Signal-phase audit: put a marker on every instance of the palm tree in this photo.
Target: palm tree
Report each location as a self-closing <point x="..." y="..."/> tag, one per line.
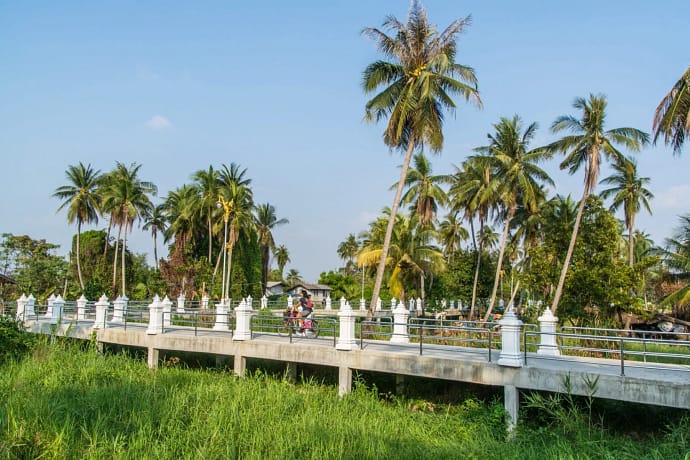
<point x="628" y="191"/>
<point x="417" y="86"/>
<point x="515" y="169"/>
<point x="423" y="192"/>
<point x="81" y="199"/>
<point x="347" y="250"/>
<point x="584" y="148"/>
<point x="672" y="116"/>
<point x="677" y="259"/>
<point x="474" y="192"/>
<point x="293" y="277"/>
<point x="128" y="197"/>
<point x="156" y="221"/>
<point x="266" y="221"/>
<point x="282" y="258"/>
<point x="451" y="234"/>
<point x="207" y="183"/>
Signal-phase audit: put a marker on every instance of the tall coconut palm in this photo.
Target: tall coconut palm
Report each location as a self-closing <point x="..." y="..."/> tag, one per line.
<point x="293" y="277"/>
<point x="266" y="221"/>
<point x="156" y="221"/>
<point x="451" y="234"/>
<point x="207" y="182"/>
<point x="81" y="200"/>
<point x="515" y="169"/>
<point x="676" y="256"/>
<point x="282" y="258"/>
<point x="585" y="148"/>
<point x="417" y="83"/>
<point x="347" y="250"/>
<point x="474" y="191"/>
<point x="239" y="206"/>
<point x="128" y="197"/>
<point x="628" y="190"/>
<point x="672" y="116"/>
<point x="424" y="193"/>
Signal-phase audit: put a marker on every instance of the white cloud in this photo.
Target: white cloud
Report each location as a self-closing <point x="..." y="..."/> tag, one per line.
<point x="675" y="197"/>
<point x="158" y="122"/>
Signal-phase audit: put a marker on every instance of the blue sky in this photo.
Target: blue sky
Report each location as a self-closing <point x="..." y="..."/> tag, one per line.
<point x="275" y="87"/>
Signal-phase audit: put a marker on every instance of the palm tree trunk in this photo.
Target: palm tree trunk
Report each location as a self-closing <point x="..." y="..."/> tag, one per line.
<point x="264" y="269"/>
<point x="499" y="264"/>
<point x="389" y="229"/>
<point x="107" y="237"/>
<point x="117" y="248"/>
<point x="81" y="281"/>
<point x="155" y="250"/>
<point x="423" y="297"/>
<point x="569" y="254"/>
<point x="631" y="241"/>
<point x="124" y="250"/>
<point x="476" y="270"/>
<point x="210" y="236"/>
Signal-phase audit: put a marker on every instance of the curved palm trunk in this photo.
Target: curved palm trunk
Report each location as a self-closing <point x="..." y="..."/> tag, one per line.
<point x="117" y="249"/>
<point x="155" y="250"/>
<point x="476" y="271"/>
<point x="210" y="237"/>
<point x="124" y="250"/>
<point x="569" y="254"/>
<point x="81" y="281"/>
<point x="499" y="265"/>
<point x="264" y="269"/>
<point x="107" y="238"/>
<point x="389" y="229"/>
<point x="421" y="283"/>
<point x="631" y="241"/>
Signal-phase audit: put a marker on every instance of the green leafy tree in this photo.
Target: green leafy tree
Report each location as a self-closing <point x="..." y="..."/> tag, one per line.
<point x="417" y="83"/>
<point x="80" y="197"/>
<point x="585" y="147"/>
<point x="672" y="116"/>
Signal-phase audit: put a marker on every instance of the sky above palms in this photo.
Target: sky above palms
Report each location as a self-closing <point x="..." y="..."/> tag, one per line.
<point x="275" y="87"/>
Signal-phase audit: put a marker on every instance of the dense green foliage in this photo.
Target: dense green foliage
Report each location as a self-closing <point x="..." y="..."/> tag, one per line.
<point x="14" y="341"/>
<point x="71" y="403"/>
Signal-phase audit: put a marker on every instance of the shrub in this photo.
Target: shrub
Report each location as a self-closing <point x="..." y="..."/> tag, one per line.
<point x="14" y="340"/>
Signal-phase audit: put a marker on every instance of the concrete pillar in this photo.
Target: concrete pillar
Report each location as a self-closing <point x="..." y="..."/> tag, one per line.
<point x="400" y="384"/>
<point x="204" y="302"/>
<point x="411" y="307"/>
<point x="511" y="401"/>
<point x="378" y="304"/>
<point x="289" y="301"/>
<point x="49" y="309"/>
<point x="243" y="317"/>
<point x="362" y="304"/>
<point x="152" y="356"/>
<point x="291" y="372"/>
<point x="166" y="308"/>
<point x="240" y="365"/>
<point x="81" y="308"/>
<point x="101" y="312"/>
<point x="548" y="345"/>
<point x="344" y="380"/>
<point x="155" y="316"/>
<point x="30" y="304"/>
<point x="511" y="328"/>
<point x="346" y="337"/>
<point x="58" y="306"/>
<point x="21" y="308"/>
<point x="419" y="307"/>
<point x="180" y="303"/>
<point x="118" y="310"/>
<point x="329" y="304"/>
<point x="392" y="303"/>
<point x="342" y="302"/>
<point x="221" y="323"/>
<point x="400" y="317"/>
<point x="264" y="302"/>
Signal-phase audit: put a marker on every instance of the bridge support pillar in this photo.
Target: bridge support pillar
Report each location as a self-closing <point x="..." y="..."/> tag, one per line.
<point x="400" y="384"/>
<point x="152" y="357"/>
<point x="240" y="365"/>
<point x="511" y="398"/>
<point x="291" y="372"/>
<point x="344" y="380"/>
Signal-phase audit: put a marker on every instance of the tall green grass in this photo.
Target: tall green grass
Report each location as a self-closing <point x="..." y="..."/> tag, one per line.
<point x="68" y="402"/>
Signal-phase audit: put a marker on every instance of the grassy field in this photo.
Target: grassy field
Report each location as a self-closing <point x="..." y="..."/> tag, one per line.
<point x="67" y="401"/>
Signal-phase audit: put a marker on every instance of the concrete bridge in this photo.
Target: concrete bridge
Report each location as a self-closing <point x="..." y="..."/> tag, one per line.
<point x="509" y="354"/>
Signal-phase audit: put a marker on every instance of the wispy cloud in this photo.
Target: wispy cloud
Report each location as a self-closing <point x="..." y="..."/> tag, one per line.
<point x="675" y="197"/>
<point x="158" y="123"/>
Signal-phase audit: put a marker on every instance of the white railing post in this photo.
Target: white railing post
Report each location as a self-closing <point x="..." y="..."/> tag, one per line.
<point x="30" y="304"/>
<point x="378" y="304"/>
<point x="21" y="308"/>
<point x="362" y="304"/>
<point x="511" y="328"/>
<point x="81" y="308"/>
<point x="180" y="303"/>
<point x="166" y="307"/>
<point x="243" y="316"/>
<point x="222" y="310"/>
<point x="264" y="302"/>
<point x="548" y="344"/>
<point x="346" y="337"/>
<point x="155" y="320"/>
<point x="101" y="312"/>
<point x="58" y="305"/>
<point x="204" y="302"/>
<point x="400" y="317"/>
<point x="419" y="307"/>
<point x="329" y="305"/>
<point x="118" y="310"/>
<point x="289" y="301"/>
<point x="393" y="304"/>
<point x="49" y="308"/>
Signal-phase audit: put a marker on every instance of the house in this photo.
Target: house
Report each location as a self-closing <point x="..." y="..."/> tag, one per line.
<point x="318" y="292"/>
<point x="275" y="288"/>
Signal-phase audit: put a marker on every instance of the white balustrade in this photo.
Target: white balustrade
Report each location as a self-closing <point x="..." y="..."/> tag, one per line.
<point x="101" y="311"/>
<point x="346" y="337"/>
<point x="511" y="329"/>
<point x="81" y="308"/>
<point x="547" y="339"/>
<point x="243" y="316"/>
<point x="155" y="316"/>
